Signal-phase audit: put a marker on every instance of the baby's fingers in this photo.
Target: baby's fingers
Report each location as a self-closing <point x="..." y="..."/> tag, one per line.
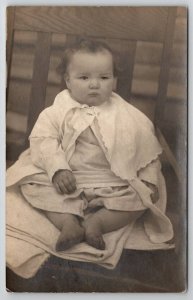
<point x="60" y="187"/>
<point x="72" y="181"/>
<point x="70" y="185"/>
<point x="57" y="188"/>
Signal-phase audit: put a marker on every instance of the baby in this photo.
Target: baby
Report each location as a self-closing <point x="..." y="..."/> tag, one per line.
<point x="90" y="146"/>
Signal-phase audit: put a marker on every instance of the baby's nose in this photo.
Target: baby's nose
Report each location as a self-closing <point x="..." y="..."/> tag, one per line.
<point x="94" y="83"/>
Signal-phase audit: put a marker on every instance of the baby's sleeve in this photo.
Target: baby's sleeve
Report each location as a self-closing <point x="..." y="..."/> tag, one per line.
<point x="47" y="154"/>
<point x="45" y="146"/>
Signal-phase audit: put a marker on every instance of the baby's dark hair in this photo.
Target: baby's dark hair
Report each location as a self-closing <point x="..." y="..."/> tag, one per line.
<point x="87" y="46"/>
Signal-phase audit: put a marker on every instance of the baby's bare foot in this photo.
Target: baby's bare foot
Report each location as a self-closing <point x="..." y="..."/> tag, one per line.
<point x="72" y="233"/>
<point x="95" y="240"/>
<point x="93" y="233"/>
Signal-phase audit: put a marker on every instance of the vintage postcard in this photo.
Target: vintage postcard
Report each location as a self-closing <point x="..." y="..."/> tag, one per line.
<point x="96" y="140"/>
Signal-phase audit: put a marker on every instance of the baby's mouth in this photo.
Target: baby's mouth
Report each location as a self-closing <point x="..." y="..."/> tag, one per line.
<point x="94" y="94"/>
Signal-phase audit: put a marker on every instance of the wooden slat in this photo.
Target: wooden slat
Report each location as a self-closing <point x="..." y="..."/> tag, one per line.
<point x="146" y="72"/>
<point x="19" y="93"/>
<point x="16" y="121"/>
<point x="125" y="75"/>
<point x="178" y="75"/>
<point x="148" y="88"/>
<point x="133" y="23"/>
<point x="58" y="45"/>
<point x="182" y="11"/>
<point x="148" y="53"/>
<point x="179" y="55"/>
<point x="177" y="92"/>
<point x="145" y="88"/>
<point x="165" y="67"/>
<point x="25" y="38"/>
<point x="39" y="80"/>
<point x="9" y="43"/>
<point x="22" y="65"/>
<point x="146" y="105"/>
<point x="10" y="34"/>
<point x="169" y="154"/>
<point x="180" y="35"/>
<point x="70" y="39"/>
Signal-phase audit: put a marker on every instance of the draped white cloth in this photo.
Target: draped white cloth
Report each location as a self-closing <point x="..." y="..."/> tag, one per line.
<point x="131" y="150"/>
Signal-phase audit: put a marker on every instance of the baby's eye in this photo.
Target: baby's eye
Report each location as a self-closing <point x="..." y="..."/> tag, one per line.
<point x="104" y="77"/>
<point x="83" y="77"/>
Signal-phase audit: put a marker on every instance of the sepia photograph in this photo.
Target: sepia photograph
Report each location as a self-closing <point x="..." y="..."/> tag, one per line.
<point x="107" y="214"/>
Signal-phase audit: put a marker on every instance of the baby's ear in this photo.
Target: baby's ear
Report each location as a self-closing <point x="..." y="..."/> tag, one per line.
<point x="66" y="79"/>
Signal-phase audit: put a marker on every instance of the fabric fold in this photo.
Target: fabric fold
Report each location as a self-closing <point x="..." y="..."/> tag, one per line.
<point x="33" y="238"/>
<point x="131" y="149"/>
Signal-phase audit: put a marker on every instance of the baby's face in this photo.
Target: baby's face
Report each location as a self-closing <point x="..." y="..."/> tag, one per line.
<point x="90" y="77"/>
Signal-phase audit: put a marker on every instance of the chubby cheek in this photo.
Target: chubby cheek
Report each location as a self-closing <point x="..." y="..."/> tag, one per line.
<point x="81" y="87"/>
<point x="107" y="89"/>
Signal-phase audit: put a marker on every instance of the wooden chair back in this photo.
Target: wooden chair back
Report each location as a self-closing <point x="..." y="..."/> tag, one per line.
<point x="120" y="27"/>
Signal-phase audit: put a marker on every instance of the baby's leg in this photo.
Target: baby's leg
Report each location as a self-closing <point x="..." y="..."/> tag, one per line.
<point x="71" y="231"/>
<point x="104" y="221"/>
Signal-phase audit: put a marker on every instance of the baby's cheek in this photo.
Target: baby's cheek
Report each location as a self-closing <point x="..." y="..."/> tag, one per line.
<point x="109" y="87"/>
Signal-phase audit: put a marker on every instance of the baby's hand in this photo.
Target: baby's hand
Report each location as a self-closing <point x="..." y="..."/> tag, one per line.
<point x="64" y="182"/>
<point x="155" y="194"/>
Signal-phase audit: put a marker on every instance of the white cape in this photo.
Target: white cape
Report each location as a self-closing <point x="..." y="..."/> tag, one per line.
<point x="131" y="146"/>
